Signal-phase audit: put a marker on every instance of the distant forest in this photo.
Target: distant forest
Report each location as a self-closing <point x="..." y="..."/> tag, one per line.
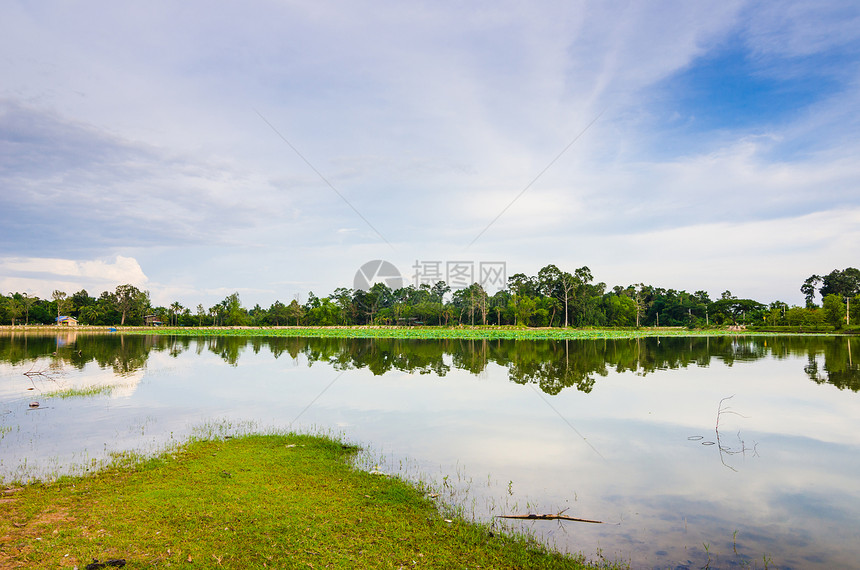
<point x="552" y="298"/>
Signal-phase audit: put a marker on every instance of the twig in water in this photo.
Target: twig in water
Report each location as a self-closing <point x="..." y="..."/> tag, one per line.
<point x="724" y="449"/>
<point x="555" y="517"/>
<point x="42" y="373"/>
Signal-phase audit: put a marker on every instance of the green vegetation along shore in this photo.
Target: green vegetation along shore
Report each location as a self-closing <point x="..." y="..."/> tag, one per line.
<point x="463" y="332"/>
<point x="256" y="501"/>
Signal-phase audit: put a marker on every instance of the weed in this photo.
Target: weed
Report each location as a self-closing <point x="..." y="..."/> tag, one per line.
<point x="88" y="392"/>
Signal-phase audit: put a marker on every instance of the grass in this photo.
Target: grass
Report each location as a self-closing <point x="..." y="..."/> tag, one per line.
<point x="88" y="392"/>
<point x="255" y="501"/>
<point x="465" y="332"/>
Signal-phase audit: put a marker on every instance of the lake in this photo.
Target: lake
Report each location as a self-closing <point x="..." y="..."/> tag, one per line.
<point x="722" y="451"/>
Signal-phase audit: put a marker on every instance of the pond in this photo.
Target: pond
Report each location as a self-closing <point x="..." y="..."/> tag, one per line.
<point x="722" y="451"/>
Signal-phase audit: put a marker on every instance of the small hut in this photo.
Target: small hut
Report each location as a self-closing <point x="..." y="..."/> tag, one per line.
<point x="152" y="321"/>
<point x="65" y="321"/>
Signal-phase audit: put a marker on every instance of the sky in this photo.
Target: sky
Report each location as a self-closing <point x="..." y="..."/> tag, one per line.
<point x="272" y="148"/>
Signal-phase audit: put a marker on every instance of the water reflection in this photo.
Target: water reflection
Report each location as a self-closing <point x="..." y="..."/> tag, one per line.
<point x="612" y="430"/>
<point x="122" y="354"/>
<point x="839" y="368"/>
<point x="551" y="365"/>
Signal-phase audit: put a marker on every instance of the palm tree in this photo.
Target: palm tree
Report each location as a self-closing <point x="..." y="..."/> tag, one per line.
<point x="175" y="309"/>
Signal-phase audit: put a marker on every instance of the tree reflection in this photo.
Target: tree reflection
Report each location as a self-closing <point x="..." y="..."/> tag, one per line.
<point x="840" y="367"/>
<point x="227" y="347"/>
<point x="552" y="365"/>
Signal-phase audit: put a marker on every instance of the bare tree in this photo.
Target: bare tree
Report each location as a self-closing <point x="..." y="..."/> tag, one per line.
<point x="62" y="301"/>
<point x="27" y="302"/>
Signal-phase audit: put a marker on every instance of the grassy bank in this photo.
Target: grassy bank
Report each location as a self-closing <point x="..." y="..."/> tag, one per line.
<point x="251" y="502"/>
<point x="431" y="333"/>
<point x="465" y="332"/>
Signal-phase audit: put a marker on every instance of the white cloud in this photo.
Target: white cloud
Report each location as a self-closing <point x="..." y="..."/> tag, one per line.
<point x="41" y="276"/>
<point x="138" y="125"/>
<point x="802" y="27"/>
<point x="766" y="260"/>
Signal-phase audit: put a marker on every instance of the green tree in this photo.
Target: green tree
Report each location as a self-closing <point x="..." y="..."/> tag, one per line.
<point x="343" y="298"/>
<point x="102" y="311"/>
<point x="234" y="313"/>
<point x="175" y="309"/>
<point x="620" y="310"/>
<point x="854" y="310"/>
<point x="834" y="310"/>
<point x="379" y="297"/>
<point x="439" y="290"/>
<point x="14" y="308"/>
<point x="523" y="308"/>
<point x="215" y="313"/>
<point x="523" y="289"/>
<point x="733" y="309"/>
<point x="80" y="300"/>
<point x="586" y="299"/>
<point x="131" y="302"/>
<point x="522" y="284"/>
<point x="296" y="311"/>
<point x="843" y="284"/>
<point x="799" y="316"/>
<point x="499" y="303"/>
<point x="325" y="313"/>
<point x="258" y="315"/>
<point x="277" y="314"/>
<point x="808" y="289"/>
<point x="777" y="313"/>
<point x="560" y="285"/>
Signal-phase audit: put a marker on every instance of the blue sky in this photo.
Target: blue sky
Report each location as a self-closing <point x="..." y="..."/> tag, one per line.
<point x="716" y="148"/>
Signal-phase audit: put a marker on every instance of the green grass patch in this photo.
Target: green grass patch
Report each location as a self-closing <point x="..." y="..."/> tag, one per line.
<point x="88" y="392"/>
<point x="431" y="333"/>
<point x="256" y="501"/>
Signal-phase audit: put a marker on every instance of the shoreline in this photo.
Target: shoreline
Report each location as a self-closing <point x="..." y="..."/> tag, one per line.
<point x="426" y="333"/>
<point x="275" y="500"/>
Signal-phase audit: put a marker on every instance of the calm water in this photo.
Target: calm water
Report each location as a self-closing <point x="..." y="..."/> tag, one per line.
<point x="739" y="451"/>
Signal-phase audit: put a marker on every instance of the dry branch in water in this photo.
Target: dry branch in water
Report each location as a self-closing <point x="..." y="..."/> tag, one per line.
<point x="724" y="449"/>
<point x="557" y="517"/>
<point x="43" y="373"/>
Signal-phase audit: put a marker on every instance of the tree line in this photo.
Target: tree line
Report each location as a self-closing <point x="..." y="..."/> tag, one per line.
<point x="552" y="298"/>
